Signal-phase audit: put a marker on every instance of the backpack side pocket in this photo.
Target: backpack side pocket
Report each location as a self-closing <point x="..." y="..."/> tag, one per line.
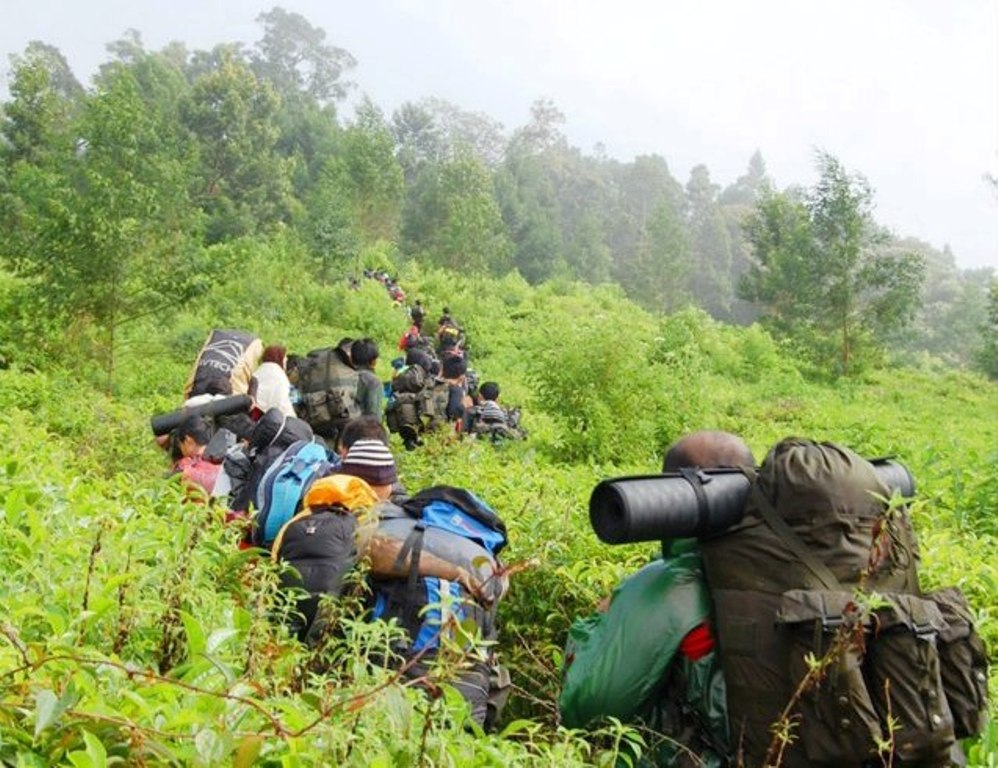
<point x="904" y="677"/>
<point x="838" y="722"/>
<point x="963" y="663"/>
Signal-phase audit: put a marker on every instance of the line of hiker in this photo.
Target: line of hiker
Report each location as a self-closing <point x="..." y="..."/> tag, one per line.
<point x="323" y="495"/>
<point x="783" y="623"/>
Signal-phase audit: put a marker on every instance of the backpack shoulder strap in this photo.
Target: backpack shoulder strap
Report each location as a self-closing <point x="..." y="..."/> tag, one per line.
<point x="792" y="540"/>
<point x="412" y="547"/>
<point x="275" y="550"/>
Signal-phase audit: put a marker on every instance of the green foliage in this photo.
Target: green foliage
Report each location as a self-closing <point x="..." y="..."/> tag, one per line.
<point x="819" y="275"/>
<point x="106" y="232"/>
<point x="217" y="189"/>
<point x="987" y="357"/>
<point x="241" y="182"/>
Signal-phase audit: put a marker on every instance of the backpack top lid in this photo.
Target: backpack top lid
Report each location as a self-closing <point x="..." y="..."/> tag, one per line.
<point x="345" y="491"/>
<point x="809" y="482"/>
<point x="461" y="512"/>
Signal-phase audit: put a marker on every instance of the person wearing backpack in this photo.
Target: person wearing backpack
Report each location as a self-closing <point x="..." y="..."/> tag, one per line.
<point x="224" y="364"/>
<point x="441" y="607"/>
<point x="270" y="386"/>
<point x="199" y="475"/>
<point x="448" y="399"/>
<point x="369" y="428"/>
<point x="335" y="528"/>
<point x="407" y="405"/>
<point x="904" y="675"/>
<point x="370" y="393"/>
<point x="489" y="420"/>
<point x="648" y="655"/>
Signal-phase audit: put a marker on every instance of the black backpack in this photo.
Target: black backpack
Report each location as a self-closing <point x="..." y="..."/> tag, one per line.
<point x="783" y="582"/>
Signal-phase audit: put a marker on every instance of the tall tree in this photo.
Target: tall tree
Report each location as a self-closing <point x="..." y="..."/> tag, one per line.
<point x="820" y="272"/>
<point x="710" y="274"/>
<point x="294" y="57"/>
<point x="376" y="182"/>
<point x="45" y="100"/>
<point x="242" y="183"/>
<point x="106" y="231"/>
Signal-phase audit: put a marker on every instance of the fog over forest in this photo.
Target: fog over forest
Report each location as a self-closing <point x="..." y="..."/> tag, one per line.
<point x="905" y="92"/>
<point x="303" y="124"/>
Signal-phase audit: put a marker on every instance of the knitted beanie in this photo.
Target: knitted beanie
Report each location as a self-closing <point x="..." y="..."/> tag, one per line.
<point x="370" y="460"/>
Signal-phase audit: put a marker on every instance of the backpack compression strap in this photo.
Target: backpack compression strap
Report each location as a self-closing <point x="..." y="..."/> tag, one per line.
<point x="413" y="544"/>
<point x="792" y="540"/>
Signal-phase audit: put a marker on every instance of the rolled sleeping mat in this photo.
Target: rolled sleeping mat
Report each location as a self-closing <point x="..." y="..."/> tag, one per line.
<point x="450" y="547"/>
<point x="697" y="503"/>
<point x="164" y="423"/>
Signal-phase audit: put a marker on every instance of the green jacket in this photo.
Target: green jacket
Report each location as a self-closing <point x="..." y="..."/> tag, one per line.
<point x="623" y="663"/>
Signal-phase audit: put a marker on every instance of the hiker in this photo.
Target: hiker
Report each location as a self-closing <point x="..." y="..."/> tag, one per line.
<point x="647" y="656"/>
<point x="903" y="676"/>
<point x="410" y="393"/>
<point x="435" y="570"/>
<point x="370" y="392"/>
<point x="488" y="419"/>
<point x="271" y="387"/>
<point x="336" y="527"/>
<point x="448" y="397"/>
<point x="372" y="462"/>
<point x="272" y="435"/>
<point x="417" y="313"/>
<point x="413" y="337"/>
<point x="450" y="337"/>
<point x="369" y="428"/>
<point x="198" y="474"/>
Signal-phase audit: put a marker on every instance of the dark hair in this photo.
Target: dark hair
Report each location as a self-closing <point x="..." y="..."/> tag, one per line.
<point x="275" y="353"/>
<point x="419" y="357"/>
<point x="196" y="427"/>
<point x="454" y="367"/>
<point x="362" y="428"/>
<point x="364" y="352"/>
<point x="489" y="390"/>
<point x="217" y="385"/>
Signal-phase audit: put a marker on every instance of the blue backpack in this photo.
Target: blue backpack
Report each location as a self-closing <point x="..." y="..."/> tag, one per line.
<point x="284" y="485"/>
<point x="417" y="602"/>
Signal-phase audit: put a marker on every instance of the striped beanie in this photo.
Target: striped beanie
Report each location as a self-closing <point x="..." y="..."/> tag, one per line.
<point x="370" y="460"/>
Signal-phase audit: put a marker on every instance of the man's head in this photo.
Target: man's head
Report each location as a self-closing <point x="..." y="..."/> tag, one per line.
<point x="419" y="357"/>
<point x="454" y="367"/>
<point x="361" y="428"/>
<point x="192" y="436"/>
<point x="708" y="448"/>
<point x="489" y="390"/>
<point x="364" y="353"/>
<point x="371" y="461"/>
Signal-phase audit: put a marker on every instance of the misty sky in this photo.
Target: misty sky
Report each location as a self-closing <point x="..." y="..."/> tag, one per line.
<point x="904" y="91"/>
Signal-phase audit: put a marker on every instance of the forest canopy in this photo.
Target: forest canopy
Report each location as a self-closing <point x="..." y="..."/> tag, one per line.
<point x="119" y="197"/>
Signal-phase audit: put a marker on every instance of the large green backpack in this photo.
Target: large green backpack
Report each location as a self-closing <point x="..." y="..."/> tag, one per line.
<point x="328" y="389"/>
<point x="783" y="582"/>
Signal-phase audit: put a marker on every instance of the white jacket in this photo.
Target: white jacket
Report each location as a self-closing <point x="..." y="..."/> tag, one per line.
<point x="273" y="390"/>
